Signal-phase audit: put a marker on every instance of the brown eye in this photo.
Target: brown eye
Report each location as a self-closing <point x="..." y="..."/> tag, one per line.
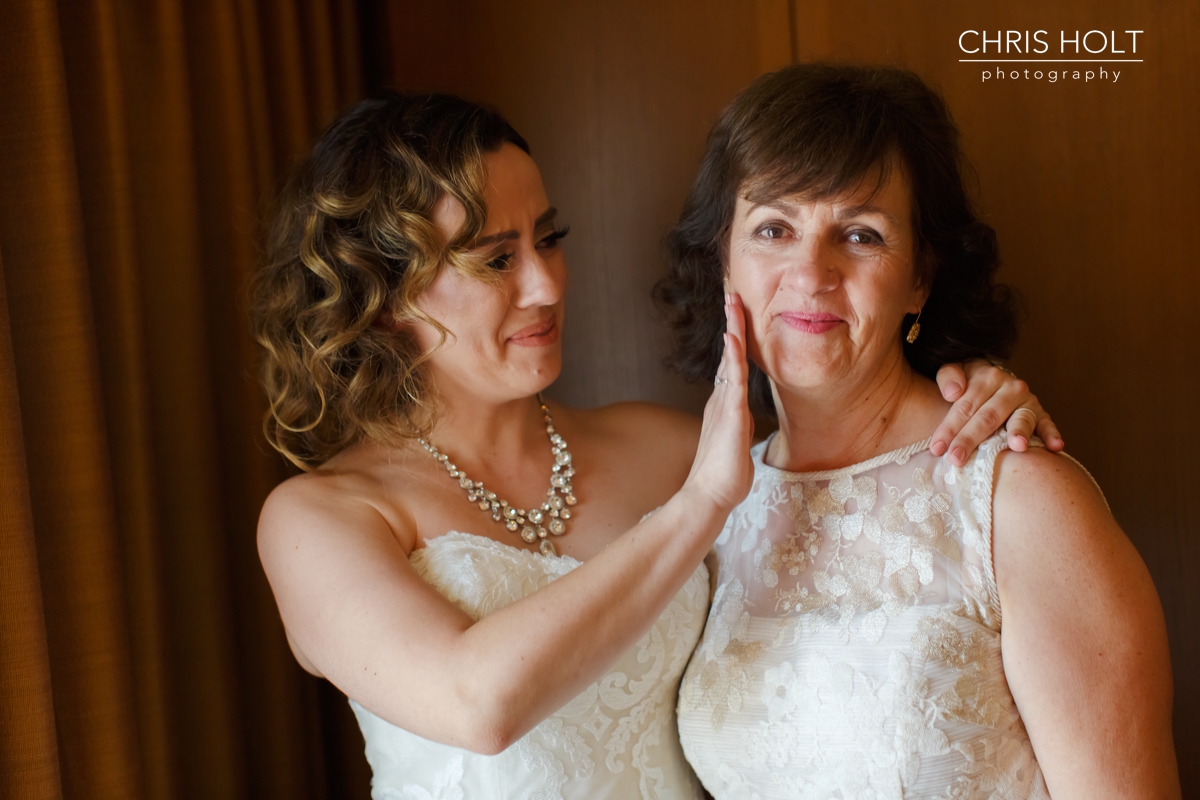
<point x="863" y="237"/>
<point x="772" y="231"/>
<point x="500" y="263"/>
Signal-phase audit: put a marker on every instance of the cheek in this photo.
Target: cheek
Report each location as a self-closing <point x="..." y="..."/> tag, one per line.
<point x="754" y="279"/>
<point x="755" y="282"/>
<point x="880" y="297"/>
<point x="465" y="307"/>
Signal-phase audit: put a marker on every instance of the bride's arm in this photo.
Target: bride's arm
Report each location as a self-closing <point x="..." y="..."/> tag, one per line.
<point x="361" y="616"/>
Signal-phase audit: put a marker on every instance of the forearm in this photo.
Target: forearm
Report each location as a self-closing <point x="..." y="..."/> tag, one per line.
<point x="517" y="666"/>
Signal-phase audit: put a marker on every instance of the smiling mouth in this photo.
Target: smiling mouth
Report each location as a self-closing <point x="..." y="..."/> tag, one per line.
<point x="537" y="335"/>
<point x="811" y="323"/>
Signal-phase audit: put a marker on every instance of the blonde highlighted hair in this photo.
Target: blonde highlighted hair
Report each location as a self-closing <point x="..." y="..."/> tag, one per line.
<point x="350" y="246"/>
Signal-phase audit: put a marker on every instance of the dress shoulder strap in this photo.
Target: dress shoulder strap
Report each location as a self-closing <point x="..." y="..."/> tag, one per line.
<point x="982" y="489"/>
<point x="976" y="497"/>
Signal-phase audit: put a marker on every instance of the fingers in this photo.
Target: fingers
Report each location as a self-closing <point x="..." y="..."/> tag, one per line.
<point x="735" y="344"/>
<point x="1047" y="431"/>
<point x="982" y="424"/>
<point x="952" y="381"/>
<point x="992" y="396"/>
<point x="722" y="470"/>
<point x="1020" y="427"/>
<point x="1041" y="424"/>
<point x="983" y="381"/>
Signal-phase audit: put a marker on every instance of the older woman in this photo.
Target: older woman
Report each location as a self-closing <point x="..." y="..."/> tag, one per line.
<point x="887" y="624"/>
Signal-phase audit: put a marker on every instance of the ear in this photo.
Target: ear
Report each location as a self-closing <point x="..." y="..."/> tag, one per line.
<point x="922" y="286"/>
<point x="917" y="299"/>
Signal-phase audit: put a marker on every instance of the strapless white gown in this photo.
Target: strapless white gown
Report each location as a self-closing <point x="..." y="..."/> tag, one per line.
<point x="615" y="740"/>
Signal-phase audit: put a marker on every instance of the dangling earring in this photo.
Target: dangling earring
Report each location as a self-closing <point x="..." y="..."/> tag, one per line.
<point x="915" y="330"/>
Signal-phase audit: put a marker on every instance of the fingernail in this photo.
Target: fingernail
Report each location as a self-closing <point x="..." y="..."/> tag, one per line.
<point x="937" y="448"/>
<point x="958" y="456"/>
<point x="1023" y="442"/>
<point x="954" y="387"/>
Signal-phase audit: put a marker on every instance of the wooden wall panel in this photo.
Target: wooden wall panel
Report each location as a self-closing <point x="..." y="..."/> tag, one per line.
<point x="615" y="99"/>
<point x="1092" y="187"/>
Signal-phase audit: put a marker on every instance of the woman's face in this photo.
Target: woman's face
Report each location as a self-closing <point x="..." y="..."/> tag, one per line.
<point x="504" y="339"/>
<point x="826" y="283"/>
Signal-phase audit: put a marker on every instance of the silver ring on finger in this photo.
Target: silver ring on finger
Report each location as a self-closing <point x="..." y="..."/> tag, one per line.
<point x="718" y="381"/>
<point x="1023" y="411"/>
<point x="998" y="365"/>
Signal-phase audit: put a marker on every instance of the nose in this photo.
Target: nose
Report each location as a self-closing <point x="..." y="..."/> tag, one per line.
<point x="814" y="269"/>
<point x="538" y="281"/>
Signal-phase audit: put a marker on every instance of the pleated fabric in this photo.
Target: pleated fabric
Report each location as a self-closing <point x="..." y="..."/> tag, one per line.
<point x="141" y="655"/>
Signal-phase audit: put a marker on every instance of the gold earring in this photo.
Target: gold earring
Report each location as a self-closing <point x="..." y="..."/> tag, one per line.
<point x="915" y="330"/>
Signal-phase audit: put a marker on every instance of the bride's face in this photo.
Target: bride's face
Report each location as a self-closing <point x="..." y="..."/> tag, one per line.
<point x="504" y="340"/>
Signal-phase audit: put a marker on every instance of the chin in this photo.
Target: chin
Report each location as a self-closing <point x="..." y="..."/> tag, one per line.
<point x="537" y="373"/>
<point x="804" y="371"/>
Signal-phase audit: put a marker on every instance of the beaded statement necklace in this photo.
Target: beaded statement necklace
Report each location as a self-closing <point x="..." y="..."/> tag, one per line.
<point x="538" y="524"/>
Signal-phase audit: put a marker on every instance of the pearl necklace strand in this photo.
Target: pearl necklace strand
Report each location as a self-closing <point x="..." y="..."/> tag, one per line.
<point x="535" y="525"/>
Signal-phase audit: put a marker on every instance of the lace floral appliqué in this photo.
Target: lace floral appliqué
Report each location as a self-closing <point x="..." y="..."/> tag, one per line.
<point x="852" y="650"/>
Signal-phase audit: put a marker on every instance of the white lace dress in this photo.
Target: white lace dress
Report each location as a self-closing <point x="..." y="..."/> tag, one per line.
<point x="615" y="740"/>
<point x="853" y="646"/>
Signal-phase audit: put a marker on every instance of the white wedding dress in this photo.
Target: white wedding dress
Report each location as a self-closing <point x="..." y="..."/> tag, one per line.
<point x="615" y="740"/>
<point x="853" y="647"/>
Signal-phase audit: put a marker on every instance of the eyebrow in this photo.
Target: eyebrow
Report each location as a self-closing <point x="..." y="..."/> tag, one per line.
<point x="866" y="209"/>
<point x="781" y="206"/>
<point x="547" y="216"/>
<point x="853" y="211"/>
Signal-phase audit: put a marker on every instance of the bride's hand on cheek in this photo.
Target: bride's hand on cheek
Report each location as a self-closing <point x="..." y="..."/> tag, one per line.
<point x="986" y="397"/>
<point x="722" y="470"/>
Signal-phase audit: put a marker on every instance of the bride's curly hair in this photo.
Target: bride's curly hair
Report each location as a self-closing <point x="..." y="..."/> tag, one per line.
<point x="350" y="246"/>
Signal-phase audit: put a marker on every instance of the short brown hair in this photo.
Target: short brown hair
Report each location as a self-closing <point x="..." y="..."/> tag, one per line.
<point x="818" y="130"/>
<point x="352" y="243"/>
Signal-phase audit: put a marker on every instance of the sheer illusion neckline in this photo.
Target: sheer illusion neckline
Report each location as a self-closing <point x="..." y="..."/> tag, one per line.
<point x="898" y="456"/>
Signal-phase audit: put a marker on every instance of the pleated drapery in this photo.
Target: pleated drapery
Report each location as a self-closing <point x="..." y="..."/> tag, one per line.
<point x="141" y="655"/>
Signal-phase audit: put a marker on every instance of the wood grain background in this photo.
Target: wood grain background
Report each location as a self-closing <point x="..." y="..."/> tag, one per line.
<point x="1093" y="187"/>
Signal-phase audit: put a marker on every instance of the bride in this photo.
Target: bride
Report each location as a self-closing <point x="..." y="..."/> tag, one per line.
<point x="476" y="568"/>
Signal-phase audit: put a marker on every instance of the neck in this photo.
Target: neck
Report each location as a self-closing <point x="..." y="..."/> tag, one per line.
<point x="475" y="433"/>
<point x="850" y="420"/>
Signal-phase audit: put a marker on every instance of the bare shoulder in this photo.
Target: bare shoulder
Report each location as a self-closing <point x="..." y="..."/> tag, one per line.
<point x="1054" y="534"/>
<point x="337" y="503"/>
<point x="1046" y="487"/>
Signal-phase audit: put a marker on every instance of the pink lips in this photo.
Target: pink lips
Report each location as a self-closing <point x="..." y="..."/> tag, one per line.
<point x="537" y="335"/>
<point x="811" y="323"/>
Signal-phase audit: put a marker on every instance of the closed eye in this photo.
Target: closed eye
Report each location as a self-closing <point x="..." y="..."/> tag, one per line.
<point x="551" y="240"/>
<point x="500" y="262"/>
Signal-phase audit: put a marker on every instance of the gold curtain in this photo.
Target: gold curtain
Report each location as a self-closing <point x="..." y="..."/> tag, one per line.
<point x="141" y="655"/>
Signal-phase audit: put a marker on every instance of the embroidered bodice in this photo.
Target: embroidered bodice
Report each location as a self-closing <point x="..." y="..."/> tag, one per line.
<point x="853" y="645"/>
<point x="615" y="740"/>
